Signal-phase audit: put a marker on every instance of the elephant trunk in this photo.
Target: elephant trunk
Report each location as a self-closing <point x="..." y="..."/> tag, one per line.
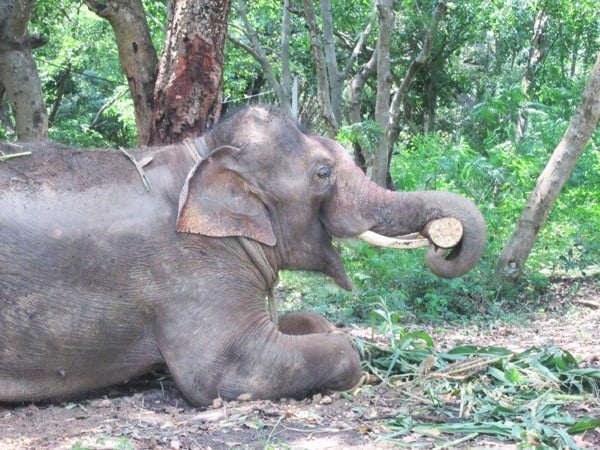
<point x="399" y="213"/>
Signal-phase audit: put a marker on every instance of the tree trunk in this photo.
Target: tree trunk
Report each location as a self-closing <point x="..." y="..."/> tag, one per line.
<point x="384" y="84"/>
<point x="290" y="87"/>
<point x="415" y="66"/>
<point x="61" y="82"/>
<point x="357" y="84"/>
<point x="333" y="74"/>
<point x="323" y="81"/>
<point x="5" y="118"/>
<point x="552" y="179"/>
<point x="18" y="71"/>
<point x="188" y="92"/>
<point x="137" y="56"/>
<point x="329" y="78"/>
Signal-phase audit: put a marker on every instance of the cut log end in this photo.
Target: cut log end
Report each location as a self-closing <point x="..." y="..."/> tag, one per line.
<point x="444" y="233"/>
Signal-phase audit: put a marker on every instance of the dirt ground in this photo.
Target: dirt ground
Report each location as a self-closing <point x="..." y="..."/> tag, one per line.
<point x="150" y="413"/>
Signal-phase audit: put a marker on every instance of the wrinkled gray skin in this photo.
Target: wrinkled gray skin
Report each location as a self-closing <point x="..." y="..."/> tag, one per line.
<point x="101" y="280"/>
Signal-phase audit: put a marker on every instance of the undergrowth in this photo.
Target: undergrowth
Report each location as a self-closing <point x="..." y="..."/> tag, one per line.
<point x="404" y="284"/>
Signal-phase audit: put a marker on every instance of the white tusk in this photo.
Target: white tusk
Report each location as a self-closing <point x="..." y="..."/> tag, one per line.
<point x="391" y="242"/>
<point x="444" y="233"/>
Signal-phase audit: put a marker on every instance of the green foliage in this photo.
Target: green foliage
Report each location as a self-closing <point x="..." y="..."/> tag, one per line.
<point x="366" y="134"/>
<point x="81" y="75"/>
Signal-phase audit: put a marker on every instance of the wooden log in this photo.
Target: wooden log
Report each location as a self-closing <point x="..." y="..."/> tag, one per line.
<point x="444" y="233"/>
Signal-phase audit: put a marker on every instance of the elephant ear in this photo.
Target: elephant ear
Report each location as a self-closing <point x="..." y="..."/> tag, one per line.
<point x="216" y="201"/>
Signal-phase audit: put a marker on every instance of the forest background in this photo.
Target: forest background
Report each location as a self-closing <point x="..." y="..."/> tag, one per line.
<point x="478" y="96"/>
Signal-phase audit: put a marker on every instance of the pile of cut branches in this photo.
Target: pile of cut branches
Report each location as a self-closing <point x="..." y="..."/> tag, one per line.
<point x="540" y="397"/>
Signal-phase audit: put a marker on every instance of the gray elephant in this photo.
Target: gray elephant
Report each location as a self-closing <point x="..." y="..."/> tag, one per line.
<point x="110" y="265"/>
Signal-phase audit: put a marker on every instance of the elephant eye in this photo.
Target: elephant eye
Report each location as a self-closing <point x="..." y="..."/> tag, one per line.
<point x="323" y="172"/>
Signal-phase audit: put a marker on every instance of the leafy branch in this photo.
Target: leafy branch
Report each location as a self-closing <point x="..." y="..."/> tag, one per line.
<point x="525" y="397"/>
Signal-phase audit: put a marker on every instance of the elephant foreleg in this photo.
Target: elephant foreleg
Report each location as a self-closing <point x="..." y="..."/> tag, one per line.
<point x="260" y="362"/>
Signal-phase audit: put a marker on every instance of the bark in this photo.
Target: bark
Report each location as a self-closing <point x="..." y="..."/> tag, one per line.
<point x="18" y="71"/>
<point x="551" y="181"/>
<point x="384" y="84"/>
<point x="136" y="53"/>
<point x="188" y="92"/>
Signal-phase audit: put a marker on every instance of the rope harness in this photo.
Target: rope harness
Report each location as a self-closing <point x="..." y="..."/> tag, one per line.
<point x="198" y="150"/>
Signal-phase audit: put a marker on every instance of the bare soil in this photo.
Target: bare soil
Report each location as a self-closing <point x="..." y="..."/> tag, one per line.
<point x="150" y="413"/>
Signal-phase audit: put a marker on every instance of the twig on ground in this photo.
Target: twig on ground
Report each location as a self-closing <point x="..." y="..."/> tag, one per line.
<point x="6" y="157"/>
<point x="592" y="303"/>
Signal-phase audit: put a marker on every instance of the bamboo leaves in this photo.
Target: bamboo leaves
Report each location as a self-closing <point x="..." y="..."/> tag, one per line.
<point x="528" y="397"/>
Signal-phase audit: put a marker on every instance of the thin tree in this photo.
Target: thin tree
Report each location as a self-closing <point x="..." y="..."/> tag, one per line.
<point x="327" y="81"/>
<point x="19" y="79"/>
<point x="551" y="181"/>
<point x="281" y="85"/>
<point x="537" y="52"/>
<point x="388" y="113"/>
<point x="384" y="85"/>
<point x="137" y="55"/>
<point x="330" y="76"/>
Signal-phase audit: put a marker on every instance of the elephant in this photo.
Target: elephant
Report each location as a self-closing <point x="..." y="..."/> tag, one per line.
<point x="115" y="262"/>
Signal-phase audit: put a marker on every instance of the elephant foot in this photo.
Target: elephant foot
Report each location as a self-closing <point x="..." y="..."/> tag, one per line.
<point x="298" y="323"/>
<point x="302" y="366"/>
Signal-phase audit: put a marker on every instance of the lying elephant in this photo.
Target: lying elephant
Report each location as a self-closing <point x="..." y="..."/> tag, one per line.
<point x="111" y="265"/>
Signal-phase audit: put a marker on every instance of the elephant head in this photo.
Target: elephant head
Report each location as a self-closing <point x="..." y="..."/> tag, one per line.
<point x="267" y="180"/>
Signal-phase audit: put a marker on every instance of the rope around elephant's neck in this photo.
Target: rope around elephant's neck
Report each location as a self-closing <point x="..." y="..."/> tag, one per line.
<point x="198" y="150"/>
<point x="258" y="257"/>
